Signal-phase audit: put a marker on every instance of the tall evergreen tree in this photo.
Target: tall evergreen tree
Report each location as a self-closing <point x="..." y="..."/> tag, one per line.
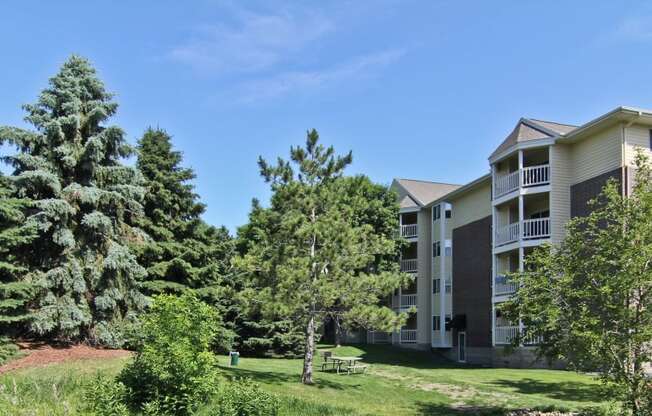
<point x="16" y="234"/>
<point x="183" y="252"/>
<point x="86" y="206"/>
<point x="307" y="255"/>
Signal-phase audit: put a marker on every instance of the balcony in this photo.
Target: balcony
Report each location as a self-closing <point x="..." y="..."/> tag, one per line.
<point x="505" y="334"/>
<point x="409" y="265"/>
<point x="408" y="336"/>
<point x="408" y="301"/>
<point x="536" y="228"/>
<point x="530" y="230"/>
<point x="409" y="230"/>
<point x="507" y="234"/>
<point x="526" y="177"/>
<point x="504" y="287"/>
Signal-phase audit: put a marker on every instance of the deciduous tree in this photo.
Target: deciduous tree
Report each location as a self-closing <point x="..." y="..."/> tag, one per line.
<point x="589" y="301"/>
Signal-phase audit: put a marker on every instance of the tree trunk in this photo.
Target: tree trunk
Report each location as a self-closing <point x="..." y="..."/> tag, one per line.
<point x="338" y="332"/>
<point x="306" y="377"/>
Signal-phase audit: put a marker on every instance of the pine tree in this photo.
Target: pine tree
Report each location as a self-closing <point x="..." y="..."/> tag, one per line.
<point x="86" y="204"/>
<point x="16" y="234"/>
<point x="184" y="252"/>
<point x="308" y="253"/>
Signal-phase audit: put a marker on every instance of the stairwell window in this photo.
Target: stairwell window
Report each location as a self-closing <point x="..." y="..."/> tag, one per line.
<point x="435" y="323"/>
<point x="436" y="249"/>
<point x="448" y="249"/>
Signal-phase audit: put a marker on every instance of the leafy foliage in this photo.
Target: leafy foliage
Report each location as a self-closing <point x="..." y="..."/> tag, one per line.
<point x="85" y="204"/>
<point x="174" y="370"/>
<point x="590" y="300"/>
<point x="243" y="397"/>
<point x="308" y="249"/>
<point x="104" y="396"/>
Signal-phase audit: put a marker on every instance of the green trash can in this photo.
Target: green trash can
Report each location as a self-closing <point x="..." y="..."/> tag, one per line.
<point x="235" y="358"/>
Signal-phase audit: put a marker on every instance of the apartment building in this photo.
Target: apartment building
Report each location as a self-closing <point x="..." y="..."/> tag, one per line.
<point x="464" y="239"/>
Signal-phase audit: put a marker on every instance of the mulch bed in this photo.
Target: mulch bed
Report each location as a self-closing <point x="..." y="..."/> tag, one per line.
<point x="37" y="354"/>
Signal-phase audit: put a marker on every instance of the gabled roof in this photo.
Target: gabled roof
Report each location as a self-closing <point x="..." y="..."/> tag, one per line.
<point x="407" y="202"/>
<point x="532" y="129"/>
<point x="424" y="192"/>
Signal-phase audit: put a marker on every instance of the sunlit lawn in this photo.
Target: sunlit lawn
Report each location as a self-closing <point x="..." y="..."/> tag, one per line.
<point x="398" y="383"/>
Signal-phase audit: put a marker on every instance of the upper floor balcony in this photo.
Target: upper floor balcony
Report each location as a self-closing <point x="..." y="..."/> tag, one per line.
<point x="409" y="230"/>
<point x="409" y="265"/>
<point x="532" y="229"/>
<point x="525" y="177"/>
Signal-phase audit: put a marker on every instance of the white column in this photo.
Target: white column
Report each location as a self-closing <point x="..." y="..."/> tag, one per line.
<point x="521" y="215"/>
<point x="493" y="258"/>
<point x="442" y="273"/>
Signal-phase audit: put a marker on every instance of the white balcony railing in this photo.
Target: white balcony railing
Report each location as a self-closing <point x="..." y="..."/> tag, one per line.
<point x="526" y="177"/>
<point x="378" y="337"/>
<point x="505" y="184"/>
<point x="507" y="234"/>
<point x="409" y="230"/>
<point x="408" y="336"/>
<point x="409" y="265"/>
<point x="505" y="334"/>
<point x="530" y="229"/>
<point x="504" y="287"/>
<point x="535" y="175"/>
<point x="536" y="228"/>
<point x="408" y="301"/>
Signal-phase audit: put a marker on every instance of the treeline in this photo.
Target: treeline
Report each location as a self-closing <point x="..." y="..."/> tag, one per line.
<point x="86" y="240"/>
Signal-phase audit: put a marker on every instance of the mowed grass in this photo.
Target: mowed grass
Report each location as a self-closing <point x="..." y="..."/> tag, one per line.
<point x="398" y="382"/>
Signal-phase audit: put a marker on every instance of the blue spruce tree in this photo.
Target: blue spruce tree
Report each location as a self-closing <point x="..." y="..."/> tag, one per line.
<point x="85" y="203"/>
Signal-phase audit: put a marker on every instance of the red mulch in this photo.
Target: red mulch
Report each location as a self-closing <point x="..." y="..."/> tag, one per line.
<point x="41" y="354"/>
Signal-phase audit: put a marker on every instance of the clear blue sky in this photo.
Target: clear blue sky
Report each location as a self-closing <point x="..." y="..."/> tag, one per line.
<point x="417" y="89"/>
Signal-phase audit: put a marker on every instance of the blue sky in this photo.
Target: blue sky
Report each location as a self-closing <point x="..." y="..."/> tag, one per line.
<point x="417" y="89"/>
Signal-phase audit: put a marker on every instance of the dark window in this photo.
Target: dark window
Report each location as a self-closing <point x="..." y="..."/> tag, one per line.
<point x="436" y="249"/>
<point x="436" y="285"/>
<point x="435" y="323"/>
<point x="449" y="213"/>
<point x="436" y="212"/>
<point x="650" y="139"/>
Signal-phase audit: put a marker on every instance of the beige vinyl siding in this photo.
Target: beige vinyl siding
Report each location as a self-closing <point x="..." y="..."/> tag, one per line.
<point x="471" y="206"/>
<point x="596" y="155"/>
<point x="561" y="179"/>
<point x="636" y="137"/>
<point x="424" y="278"/>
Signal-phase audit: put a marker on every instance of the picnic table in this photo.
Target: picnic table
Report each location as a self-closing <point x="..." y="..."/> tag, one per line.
<point x="351" y="364"/>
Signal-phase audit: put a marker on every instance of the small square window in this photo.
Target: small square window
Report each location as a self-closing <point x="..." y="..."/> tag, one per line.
<point x="448" y="213"/>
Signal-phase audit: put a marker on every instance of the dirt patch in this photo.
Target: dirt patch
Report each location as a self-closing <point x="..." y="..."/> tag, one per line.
<point x="39" y="355"/>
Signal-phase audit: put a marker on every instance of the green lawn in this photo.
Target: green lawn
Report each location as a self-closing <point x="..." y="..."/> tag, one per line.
<point x="398" y="383"/>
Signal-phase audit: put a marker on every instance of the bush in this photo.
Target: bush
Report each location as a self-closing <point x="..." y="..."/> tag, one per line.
<point x="174" y="370"/>
<point x="7" y="349"/>
<point x="244" y="398"/>
<point x="104" y="396"/>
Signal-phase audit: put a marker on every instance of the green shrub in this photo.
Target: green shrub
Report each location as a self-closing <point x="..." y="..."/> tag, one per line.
<point x="174" y="370"/>
<point x="7" y="349"/>
<point x="104" y="396"/>
<point x="244" y="398"/>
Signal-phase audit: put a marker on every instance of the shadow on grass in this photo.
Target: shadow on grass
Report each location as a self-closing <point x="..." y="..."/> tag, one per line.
<point x="389" y="355"/>
<point x="271" y="377"/>
<point x="562" y="390"/>
<point x="432" y="409"/>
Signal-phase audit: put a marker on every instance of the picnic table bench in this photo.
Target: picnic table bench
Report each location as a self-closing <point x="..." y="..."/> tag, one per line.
<point x="352" y="365"/>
